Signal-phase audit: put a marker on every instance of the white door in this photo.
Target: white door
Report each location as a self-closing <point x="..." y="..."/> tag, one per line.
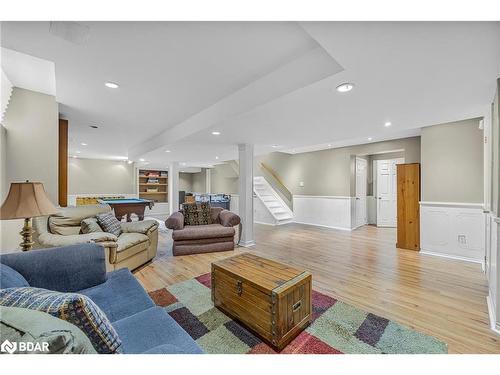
<point x="387" y="192"/>
<point x="361" y="182"/>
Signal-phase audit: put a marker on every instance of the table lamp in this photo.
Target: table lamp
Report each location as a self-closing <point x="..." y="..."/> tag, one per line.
<point x="25" y="201"/>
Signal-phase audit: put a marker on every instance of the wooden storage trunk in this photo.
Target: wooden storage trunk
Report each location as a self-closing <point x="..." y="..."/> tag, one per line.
<point x="271" y="299"/>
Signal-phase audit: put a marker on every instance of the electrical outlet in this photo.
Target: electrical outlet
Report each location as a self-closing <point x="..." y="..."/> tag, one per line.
<point x="462" y="239"/>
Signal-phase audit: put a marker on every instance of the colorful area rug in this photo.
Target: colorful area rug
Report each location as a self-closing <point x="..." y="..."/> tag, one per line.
<point x="336" y="328"/>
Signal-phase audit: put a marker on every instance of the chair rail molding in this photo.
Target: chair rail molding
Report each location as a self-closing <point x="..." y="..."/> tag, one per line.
<point x="453" y="230"/>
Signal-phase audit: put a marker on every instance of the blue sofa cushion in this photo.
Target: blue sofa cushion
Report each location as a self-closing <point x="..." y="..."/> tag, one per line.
<point x="65" y="269"/>
<point x="75" y="308"/>
<point x="165" y="349"/>
<point x="149" y="329"/>
<point x="120" y="296"/>
<point x="10" y="278"/>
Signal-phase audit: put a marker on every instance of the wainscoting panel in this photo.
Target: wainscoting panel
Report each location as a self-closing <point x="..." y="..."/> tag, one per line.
<point x="455" y="230"/>
<point x="327" y="211"/>
<point x="492" y="271"/>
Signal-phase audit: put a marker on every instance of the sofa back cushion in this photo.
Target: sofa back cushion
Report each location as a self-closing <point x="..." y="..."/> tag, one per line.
<point x="197" y="214"/>
<point x="68" y="220"/>
<point x="26" y="325"/>
<point x="90" y="225"/>
<point x="74" y="308"/>
<point x="10" y="278"/>
<point x="109" y="223"/>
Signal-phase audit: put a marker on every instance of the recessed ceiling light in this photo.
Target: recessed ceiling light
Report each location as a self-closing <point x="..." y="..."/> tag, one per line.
<point x="387" y="124"/>
<point x="93" y="126"/>
<point x="167" y="150"/>
<point x="141" y="159"/>
<point x="370" y="138"/>
<point x="329" y="145"/>
<point x="111" y="85"/>
<point x="182" y="171"/>
<point x="83" y="144"/>
<point x="217" y="157"/>
<point x="345" y="87"/>
<point x="215" y="133"/>
<point x="129" y="161"/>
<point x="274" y="146"/>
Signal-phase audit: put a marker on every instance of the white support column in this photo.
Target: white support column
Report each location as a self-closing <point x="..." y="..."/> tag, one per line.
<point x="173" y="187"/>
<point x="208" y="180"/>
<point x="246" y="194"/>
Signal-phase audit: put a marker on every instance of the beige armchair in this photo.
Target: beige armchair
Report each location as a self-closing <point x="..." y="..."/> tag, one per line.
<point x="135" y="246"/>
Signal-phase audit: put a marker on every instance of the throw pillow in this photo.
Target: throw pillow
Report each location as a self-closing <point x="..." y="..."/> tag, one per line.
<point x="10" y="278"/>
<point x="197" y="215"/>
<point x="190" y="211"/>
<point x="75" y="308"/>
<point x="109" y="223"/>
<point x="46" y="333"/>
<point x="204" y="217"/>
<point x="90" y="225"/>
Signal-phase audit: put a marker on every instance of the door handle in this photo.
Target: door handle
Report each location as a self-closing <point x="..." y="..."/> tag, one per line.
<point x="357" y="198"/>
<point x="379" y="197"/>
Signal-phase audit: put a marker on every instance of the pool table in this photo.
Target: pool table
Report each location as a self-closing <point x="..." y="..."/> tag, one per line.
<point x="128" y="206"/>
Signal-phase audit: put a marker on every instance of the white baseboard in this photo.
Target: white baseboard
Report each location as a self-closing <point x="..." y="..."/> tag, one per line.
<point x="262" y="223"/>
<point x="495" y="327"/>
<point x="456" y="257"/>
<point x="247" y="243"/>
<point x="323" y="226"/>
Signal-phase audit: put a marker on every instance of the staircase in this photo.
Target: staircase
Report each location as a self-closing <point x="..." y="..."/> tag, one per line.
<point x="278" y="212"/>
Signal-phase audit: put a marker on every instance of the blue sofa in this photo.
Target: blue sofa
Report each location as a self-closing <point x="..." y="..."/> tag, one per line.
<point x="142" y="326"/>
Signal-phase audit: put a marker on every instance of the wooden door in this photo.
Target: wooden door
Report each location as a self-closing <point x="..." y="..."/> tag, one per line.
<point x="408" y="215"/>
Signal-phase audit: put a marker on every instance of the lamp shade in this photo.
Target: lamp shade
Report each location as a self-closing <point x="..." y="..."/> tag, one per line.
<point x="26" y="200"/>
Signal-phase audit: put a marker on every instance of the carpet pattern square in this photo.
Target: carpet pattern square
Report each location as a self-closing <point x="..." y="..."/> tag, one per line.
<point x="337" y="327"/>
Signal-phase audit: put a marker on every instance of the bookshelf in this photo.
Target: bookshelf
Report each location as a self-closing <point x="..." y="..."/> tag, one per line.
<point x="153" y="184"/>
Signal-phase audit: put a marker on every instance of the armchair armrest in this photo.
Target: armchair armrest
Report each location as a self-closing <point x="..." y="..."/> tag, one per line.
<point x="175" y="221"/>
<point x="228" y="218"/>
<point x="64" y="269"/>
<point x="55" y="240"/>
<point x="143" y="227"/>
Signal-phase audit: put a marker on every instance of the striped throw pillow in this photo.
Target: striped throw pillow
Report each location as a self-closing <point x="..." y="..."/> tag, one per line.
<point x="74" y="308"/>
<point x="109" y="223"/>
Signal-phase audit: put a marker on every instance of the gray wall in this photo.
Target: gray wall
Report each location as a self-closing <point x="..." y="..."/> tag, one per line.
<point x="186" y="182"/>
<point x="32" y="134"/>
<point x="452" y="162"/>
<point x="29" y="150"/>
<point x="224" y="179"/>
<point x="199" y="181"/>
<point x="93" y="176"/>
<point x="330" y="172"/>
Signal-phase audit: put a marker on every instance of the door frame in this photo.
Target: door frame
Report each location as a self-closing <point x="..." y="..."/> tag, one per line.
<point x="358" y="224"/>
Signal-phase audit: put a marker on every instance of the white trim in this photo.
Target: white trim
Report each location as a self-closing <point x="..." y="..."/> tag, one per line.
<point x="262" y="223"/>
<point x="324" y="226"/>
<point x="453" y="230"/>
<point x="247" y="243"/>
<point x="333" y="212"/>
<point x="495" y="327"/>
<point x="456" y="257"/>
<point x="452" y="204"/>
<point x="323" y="196"/>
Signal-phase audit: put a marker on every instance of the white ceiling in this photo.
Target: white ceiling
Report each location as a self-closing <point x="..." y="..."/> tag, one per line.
<point x="267" y="83"/>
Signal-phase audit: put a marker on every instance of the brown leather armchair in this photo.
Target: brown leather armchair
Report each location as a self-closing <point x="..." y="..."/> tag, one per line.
<point x="195" y="239"/>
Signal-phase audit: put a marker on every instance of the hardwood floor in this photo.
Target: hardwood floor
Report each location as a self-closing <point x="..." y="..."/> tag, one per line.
<point x="441" y="297"/>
